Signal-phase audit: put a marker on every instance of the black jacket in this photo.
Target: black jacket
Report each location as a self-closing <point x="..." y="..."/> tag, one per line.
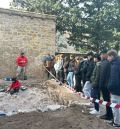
<point x="104" y="73"/>
<point x="77" y="70"/>
<point x="90" y="68"/>
<point x="71" y="66"/>
<point x="96" y="76"/>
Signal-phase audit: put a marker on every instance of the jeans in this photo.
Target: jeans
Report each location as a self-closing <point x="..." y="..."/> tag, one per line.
<point x="116" y="111"/>
<point x="95" y="94"/>
<point x="78" y="86"/>
<point x="60" y="76"/>
<point x="65" y="76"/>
<point x="70" y="79"/>
<point x="21" y="73"/>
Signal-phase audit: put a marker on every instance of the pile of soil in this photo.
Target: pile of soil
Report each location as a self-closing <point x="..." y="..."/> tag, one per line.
<point x="69" y="118"/>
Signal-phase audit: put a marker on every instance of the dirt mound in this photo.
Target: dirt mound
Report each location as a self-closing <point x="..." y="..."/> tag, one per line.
<point x="33" y="99"/>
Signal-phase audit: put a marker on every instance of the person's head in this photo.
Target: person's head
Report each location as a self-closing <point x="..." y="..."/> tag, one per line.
<point x="57" y="58"/>
<point x="66" y="58"/>
<point x="112" y="54"/>
<point x="103" y="54"/>
<point x="85" y="57"/>
<point x="71" y="57"/>
<point x="48" y="54"/>
<point x="90" y="55"/>
<point x="97" y="58"/>
<point x="77" y="59"/>
<point x="62" y="56"/>
<point x="53" y="57"/>
<point x="22" y="53"/>
<point x="14" y="79"/>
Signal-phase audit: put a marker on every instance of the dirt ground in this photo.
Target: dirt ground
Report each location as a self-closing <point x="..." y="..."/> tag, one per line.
<point x="69" y="118"/>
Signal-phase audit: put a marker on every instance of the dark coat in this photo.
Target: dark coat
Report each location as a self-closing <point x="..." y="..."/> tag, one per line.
<point x="71" y="66"/>
<point x="104" y="73"/>
<point x="77" y="70"/>
<point x="65" y="66"/>
<point x="90" y="69"/>
<point x="96" y="76"/>
<point x="114" y="81"/>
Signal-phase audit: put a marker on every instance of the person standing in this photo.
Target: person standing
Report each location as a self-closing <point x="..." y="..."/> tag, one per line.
<point x="95" y="93"/>
<point x="90" y="66"/>
<point x="103" y="83"/>
<point x="65" y="67"/>
<point x="114" y="84"/>
<point x="84" y="65"/>
<point x="59" y="68"/>
<point x="71" y="68"/>
<point x="78" y="74"/>
<point x="89" y="70"/>
<point x="47" y="62"/>
<point x="21" y="62"/>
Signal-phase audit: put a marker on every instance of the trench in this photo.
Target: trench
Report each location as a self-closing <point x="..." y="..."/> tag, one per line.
<point x="36" y="97"/>
<point x="46" y="106"/>
<point x="39" y="96"/>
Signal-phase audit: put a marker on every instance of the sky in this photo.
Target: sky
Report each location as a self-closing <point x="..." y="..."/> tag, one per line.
<point x="4" y="3"/>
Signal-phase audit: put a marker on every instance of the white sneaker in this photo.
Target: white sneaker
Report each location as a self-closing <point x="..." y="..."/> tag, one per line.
<point x="91" y="109"/>
<point x="94" y="112"/>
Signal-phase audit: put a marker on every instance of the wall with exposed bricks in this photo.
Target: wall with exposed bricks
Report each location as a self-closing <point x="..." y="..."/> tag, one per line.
<point x="30" y="32"/>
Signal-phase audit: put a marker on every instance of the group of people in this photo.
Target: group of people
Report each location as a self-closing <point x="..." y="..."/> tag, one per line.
<point x="100" y="71"/>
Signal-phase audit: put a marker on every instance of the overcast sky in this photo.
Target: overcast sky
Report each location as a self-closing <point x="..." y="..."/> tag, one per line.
<point x="4" y="3"/>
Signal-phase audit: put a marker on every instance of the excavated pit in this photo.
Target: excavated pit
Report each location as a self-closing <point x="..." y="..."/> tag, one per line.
<point x="46" y="106"/>
<point x="37" y="96"/>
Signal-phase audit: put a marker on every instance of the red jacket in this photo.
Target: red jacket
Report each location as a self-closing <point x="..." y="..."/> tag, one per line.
<point x="15" y="85"/>
<point x="21" y="61"/>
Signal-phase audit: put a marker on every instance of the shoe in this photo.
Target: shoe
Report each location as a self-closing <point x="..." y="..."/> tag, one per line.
<point x="60" y="83"/>
<point x="105" y="117"/>
<point x="94" y="112"/>
<point x="91" y="109"/>
<point x="114" y="125"/>
<point x="109" y="121"/>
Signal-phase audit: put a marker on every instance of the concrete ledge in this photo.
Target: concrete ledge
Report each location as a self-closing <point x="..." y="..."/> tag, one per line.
<point x="27" y="14"/>
<point x="63" y="95"/>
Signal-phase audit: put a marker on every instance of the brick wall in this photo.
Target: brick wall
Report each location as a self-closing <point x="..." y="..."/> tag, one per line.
<point x="30" y="32"/>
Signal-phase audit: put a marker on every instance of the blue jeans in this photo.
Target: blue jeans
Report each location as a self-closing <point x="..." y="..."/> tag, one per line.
<point x="70" y="79"/>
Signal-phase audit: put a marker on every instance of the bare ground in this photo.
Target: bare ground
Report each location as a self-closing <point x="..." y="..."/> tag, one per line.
<point x="69" y="118"/>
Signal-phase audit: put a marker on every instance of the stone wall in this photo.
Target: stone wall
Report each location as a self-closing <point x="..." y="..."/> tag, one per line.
<point x="29" y="32"/>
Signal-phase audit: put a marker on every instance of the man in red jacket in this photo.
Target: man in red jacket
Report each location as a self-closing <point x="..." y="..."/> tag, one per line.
<point x="15" y="86"/>
<point x="21" y="62"/>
